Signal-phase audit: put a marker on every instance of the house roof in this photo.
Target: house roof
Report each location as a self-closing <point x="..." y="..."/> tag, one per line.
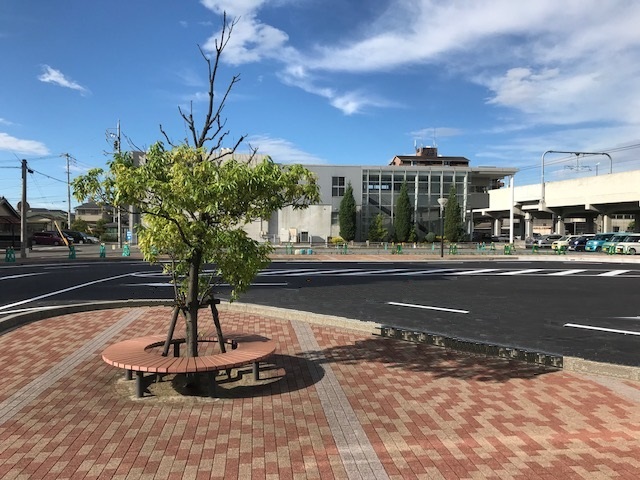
<point x="8" y="214"/>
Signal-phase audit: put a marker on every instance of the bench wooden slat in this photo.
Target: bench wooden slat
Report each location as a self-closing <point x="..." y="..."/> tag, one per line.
<point x="133" y="354"/>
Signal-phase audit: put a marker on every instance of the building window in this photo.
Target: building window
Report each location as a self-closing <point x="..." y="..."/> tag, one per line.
<point x="337" y="186"/>
<point x="335" y="218"/>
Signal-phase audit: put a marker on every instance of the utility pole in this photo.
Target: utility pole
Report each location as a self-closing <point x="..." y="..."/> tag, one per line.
<point x="118" y="206"/>
<point x="23" y="211"/>
<point x="68" y="190"/>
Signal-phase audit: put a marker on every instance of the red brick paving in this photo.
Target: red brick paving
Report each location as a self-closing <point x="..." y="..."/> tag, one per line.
<point x="427" y="412"/>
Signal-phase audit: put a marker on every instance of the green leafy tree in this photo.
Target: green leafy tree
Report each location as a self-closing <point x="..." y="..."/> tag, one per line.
<point x="413" y="235"/>
<point x="195" y="201"/>
<point x="377" y="230"/>
<point x="402" y="220"/>
<point x="80" y="225"/>
<point x="100" y="228"/>
<point x="347" y="215"/>
<point x="452" y="217"/>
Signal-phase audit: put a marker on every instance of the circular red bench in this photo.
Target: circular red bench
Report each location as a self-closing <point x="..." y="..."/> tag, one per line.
<point x="138" y="355"/>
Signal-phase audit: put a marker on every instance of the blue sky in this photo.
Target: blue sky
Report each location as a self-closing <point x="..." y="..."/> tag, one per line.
<point x="322" y="82"/>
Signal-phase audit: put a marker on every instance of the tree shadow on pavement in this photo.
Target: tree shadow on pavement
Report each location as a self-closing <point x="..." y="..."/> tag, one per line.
<point x="437" y="361"/>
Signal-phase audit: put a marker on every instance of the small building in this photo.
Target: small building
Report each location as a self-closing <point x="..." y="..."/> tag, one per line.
<point x="9" y="225"/>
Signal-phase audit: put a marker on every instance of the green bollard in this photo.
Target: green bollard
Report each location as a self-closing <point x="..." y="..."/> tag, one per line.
<point x="399" y="249"/>
<point x="534" y="249"/>
<point x="10" y="255"/>
<point x="453" y="249"/>
<point x="103" y="251"/>
<point x="507" y="249"/>
<point x="125" y="250"/>
<point x="72" y="252"/>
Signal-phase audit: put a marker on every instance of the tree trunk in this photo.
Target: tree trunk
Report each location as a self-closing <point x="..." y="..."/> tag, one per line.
<point x="192" y="305"/>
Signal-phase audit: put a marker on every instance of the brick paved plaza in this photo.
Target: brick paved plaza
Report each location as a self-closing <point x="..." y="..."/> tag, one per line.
<point x="338" y="403"/>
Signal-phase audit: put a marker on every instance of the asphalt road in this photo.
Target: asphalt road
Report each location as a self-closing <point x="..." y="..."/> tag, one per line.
<point x="588" y="310"/>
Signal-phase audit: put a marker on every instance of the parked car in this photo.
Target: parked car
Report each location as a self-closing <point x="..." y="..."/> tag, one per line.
<point x="89" y="238"/>
<point x="80" y="237"/>
<point x="532" y="240"/>
<point x="76" y="236"/>
<point x="48" y="238"/>
<point x="595" y="244"/>
<point x="500" y="238"/>
<point x="578" y="244"/>
<point x="563" y="242"/>
<point x="547" y="240"/>
<point x="613" y="241"/>
<point x="630" y="245"/>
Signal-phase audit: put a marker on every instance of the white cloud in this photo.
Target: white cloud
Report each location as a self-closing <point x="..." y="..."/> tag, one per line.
<point x="282" y="151"/>
<point x="251" y="41"/>
<point x="5" y="122"/>
<point x="234" y="8"/>
<point x="435" y="132"/>
<point x="25" y="147"/>
<point x="51" y="75"/>
<point x="551" y="62"/>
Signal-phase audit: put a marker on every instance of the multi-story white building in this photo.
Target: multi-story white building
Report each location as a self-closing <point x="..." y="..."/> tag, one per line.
<point x="428" y="177"/>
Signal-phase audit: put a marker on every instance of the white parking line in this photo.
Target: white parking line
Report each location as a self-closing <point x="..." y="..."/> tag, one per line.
<point x="601" y="329"/>
<point x="522" y="272"/>
<point x="473" y="272"/>
<point x="428" y="272"/>
<point x="566" y="272"/>
<point x="374" y="272"/>
<point x="426" y="307"/>
<point x="21" y="275"/>
<point x="613" y="273"/>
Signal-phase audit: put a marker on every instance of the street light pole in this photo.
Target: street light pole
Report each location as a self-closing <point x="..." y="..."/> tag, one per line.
<point x="443" y="203"/>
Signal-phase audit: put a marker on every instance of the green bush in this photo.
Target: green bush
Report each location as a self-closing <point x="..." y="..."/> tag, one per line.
<point x="431" y="237"/>
<point x="108" y="237"/>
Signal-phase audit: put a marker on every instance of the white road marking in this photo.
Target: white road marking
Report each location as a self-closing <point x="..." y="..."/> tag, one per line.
<point x="566" y="272"/>
<point x="165" y="284"/>
<point x="32" y="309"/>
<point x="21" y="275"/>
<point x="64" y="290"/>
<point x="324" y="272"/>
<point x="613" y="273"/>
<point x="473" y="272"/>
<point x="601" y="329"/>
<point x="375" y="272"/>
<point x="428" y="272"/>
<point x="522" y="272"/>
<point x="283" y="272"/>
<point x="426" y="307"/>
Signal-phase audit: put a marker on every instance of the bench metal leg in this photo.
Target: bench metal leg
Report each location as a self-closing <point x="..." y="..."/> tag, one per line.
<point x="256" y="370"/>
<point x="128" y="375"/>
<point x="139" y="384"/>
<point x="213" y="386"/>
